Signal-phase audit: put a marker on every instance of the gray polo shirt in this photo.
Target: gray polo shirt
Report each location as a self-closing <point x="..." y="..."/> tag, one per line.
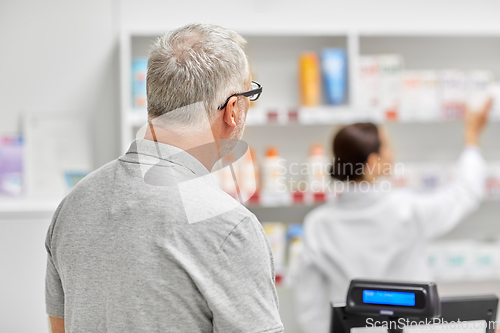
<point x="149" y="243"/>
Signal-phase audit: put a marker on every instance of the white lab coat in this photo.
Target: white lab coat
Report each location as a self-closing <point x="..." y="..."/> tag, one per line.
<point x="377" y="235"/>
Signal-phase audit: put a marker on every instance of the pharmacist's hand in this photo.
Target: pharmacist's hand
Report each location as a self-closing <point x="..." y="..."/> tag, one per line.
<point x="475" y="120"/>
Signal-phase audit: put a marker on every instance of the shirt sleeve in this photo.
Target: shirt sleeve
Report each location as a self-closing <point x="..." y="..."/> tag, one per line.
<point x="439" y="212"/>
<point x="242" y="295"/>
<point x="54" y="293"/>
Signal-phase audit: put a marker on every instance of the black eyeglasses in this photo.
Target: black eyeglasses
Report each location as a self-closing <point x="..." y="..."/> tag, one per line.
<point x="253" y="94"/>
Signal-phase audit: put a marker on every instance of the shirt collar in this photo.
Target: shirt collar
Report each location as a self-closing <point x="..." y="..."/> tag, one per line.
<point x="361" y="194"/>
<point x="168" y="153"/>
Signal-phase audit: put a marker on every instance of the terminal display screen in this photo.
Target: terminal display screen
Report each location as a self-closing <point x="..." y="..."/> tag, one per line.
<point x="388" y="297"/>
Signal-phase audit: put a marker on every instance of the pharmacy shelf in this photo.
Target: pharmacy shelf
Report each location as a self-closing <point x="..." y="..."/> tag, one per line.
<point x="137" y="117"/>
<point x="27" y="208"/>
<point x="305" y="199"/>
<point x="317" y="116"/>
<point x="277" y="119"/>
<point x="274" y="53"/>
<point x="330" y="115"/>
<point x="287" y="199"/>
<point x="284" y="116"/>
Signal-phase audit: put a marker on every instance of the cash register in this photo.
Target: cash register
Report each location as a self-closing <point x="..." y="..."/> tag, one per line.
<point x="396" y="305"/>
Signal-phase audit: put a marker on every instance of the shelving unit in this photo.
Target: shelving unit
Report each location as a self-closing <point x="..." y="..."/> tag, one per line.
<point x="276" y="118"/>
<point x="11" y="205"/>
<point x="273" y="60"/>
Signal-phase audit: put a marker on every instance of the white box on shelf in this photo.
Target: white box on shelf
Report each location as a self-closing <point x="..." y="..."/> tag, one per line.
<point x="451" y="260"/>
<point x="405" y="175"/>
<point x="391" y="67"/>
<point x="419" y="96"/>
<point x="256" y="116"/>
<point x="57" y="153"/>
<point x="295" y="234"/>
<point x="493" y="181"/>
<point x="276" y="234"/>
<point x="435" y="260"/>
<point x="308" y="115"/>
<point x="486" y="261"/>
<point x="368" y="82"/>
<point x="271" y="199"/>
<point x="495" y="94"/>
<point x="411" y="83"/>
<point x="479" y="84"/>
<point x="432" y="175"/>
<point x="452" y="93"/>
<point x="429" y="94"/>
<point x="137" y="117"/>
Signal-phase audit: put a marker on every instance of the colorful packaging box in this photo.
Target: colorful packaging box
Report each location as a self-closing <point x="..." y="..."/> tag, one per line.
<point x="453" y="92"/>
<point x="11" y="165"/>
<point x="276" y="234"/>
<point x="419" y="95"/>
<point x="139" y="71"/>
<point x="391" y="67"/>
<point x="479" y="84"/>
<point x="368" y="82"/>
<point x="295" y="245"/>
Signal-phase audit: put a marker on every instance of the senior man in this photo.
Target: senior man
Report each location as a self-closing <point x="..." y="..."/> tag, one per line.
<point x="148" y="243"/>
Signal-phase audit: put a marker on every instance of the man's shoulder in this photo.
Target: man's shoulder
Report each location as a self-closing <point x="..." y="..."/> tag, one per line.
<point x="100" y="173"/>
<point x="225" y="222"/>
<point x="207" y="237"/>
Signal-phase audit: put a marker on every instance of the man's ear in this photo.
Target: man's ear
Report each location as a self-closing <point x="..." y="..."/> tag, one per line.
<point x="231" y="112"/>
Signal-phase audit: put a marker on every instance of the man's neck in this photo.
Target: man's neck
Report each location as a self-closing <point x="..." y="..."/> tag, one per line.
<point x="201" y="145"/>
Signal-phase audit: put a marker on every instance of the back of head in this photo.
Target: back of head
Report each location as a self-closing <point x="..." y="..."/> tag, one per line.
<point x="198" y="65"/>
<point x="351" y="147"/>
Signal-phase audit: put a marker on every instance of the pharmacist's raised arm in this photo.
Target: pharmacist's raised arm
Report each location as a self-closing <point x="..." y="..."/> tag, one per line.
<point x="439" y="212"/>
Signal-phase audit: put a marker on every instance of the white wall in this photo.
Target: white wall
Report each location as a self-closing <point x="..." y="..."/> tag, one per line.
<point x="61" y="56"/>
<point x="22" y="281"/>
<point x="317" y="15"/>
<point x="54" y="56"/>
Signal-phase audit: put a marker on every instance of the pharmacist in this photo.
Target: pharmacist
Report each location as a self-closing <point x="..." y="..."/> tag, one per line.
<point x="373" y="232"/>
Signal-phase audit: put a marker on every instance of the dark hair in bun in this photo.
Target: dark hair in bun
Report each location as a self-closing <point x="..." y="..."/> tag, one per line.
<point x="351" y="147"/>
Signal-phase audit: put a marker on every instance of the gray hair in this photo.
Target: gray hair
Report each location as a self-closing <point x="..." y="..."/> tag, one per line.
<point x="196" y="63"/>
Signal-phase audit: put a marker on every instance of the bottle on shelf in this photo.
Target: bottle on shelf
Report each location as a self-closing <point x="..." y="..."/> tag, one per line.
<point x="453" y="90"/>
<point x="317" y="176"/>
<point x="334" y="67"/>
<point x="295" y="245"/>
<point x="225" y="176"/>
<point x="276" y="234"/>
<point x="310" y="80"/>
<point x="249" y="176"/>
<point x="271" y="171"/>
<point x="274" y="187"/>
